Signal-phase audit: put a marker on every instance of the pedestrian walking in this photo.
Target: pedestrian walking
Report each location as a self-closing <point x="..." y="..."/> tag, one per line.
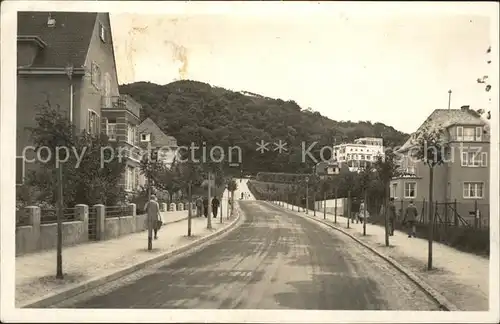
<point x="215" y="206"/>
<point x="154" y="216"/>
<point x="362" y="211"/>
<point x="410" y="219"/>
<point x="199" y="207"/>
<point x="391" y="210"/>
<point x="205" y="207"/>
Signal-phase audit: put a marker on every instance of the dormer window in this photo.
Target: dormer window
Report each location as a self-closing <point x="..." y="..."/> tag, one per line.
<point x="51" y="22"/>
<point x="145" y="137"/>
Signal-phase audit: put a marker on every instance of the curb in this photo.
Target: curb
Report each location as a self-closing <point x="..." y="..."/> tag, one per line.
<point x="46" y="302"/>
<point x="444" y="303"/>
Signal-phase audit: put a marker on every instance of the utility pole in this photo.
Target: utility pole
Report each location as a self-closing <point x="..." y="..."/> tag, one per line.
<point x="324" y="205"/>
<point x="348" y="207"/>
<point x="190" y="212"/>
<point x="228" y="201"/>
<point x="209" y="216"/>
<point x="60" y="196"/>
<point x="335" y="205"/>
<point x="59" y="274"/>
<point x="449" y="99"/>
<point x="150" y="220"/>
<point x="307" y="195"/>
<point x="431" y="218"/>
<point x="364" y="213"/>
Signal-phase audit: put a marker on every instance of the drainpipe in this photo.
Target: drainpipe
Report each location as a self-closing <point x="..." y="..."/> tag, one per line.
<point x="71" y="102"/>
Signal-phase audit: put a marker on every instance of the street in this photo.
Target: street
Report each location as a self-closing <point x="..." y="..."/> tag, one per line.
<point x="275" y="260"/>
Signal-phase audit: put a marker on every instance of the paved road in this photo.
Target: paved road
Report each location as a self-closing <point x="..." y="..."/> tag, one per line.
<point x="275" y="260"/>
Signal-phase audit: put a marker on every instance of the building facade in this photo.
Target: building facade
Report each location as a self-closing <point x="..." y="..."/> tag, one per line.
<point x="359" y="154"/>
<point x="152" y="137"/>
<point x="66" y="60"/>
<point x="461" y="184"/>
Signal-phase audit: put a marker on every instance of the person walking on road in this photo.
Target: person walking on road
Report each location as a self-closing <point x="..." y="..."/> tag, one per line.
<point x="215" y="206"/>
<point x="410" y="219"/>
<point x="205" y="207"/>
<point x="391" y="210"/>
<point x="154" y="215"/>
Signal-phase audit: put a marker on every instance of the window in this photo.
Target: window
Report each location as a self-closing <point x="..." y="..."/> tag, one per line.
<point x="460" y="133"/>
<point x="145" y="137"/>
<point x="111" y="131"/>
<point x="469" y="133"/>
<point x="93" y="127"/>
<point x="102" y="32"/>
<point x="479" y="133"/>
<point x="131" y="134"/>
<point x="410" y="189"/>
<point x="130" y="180"/>
<point x="472" y="159"/>
<point x="394" y="190"/>
<point x="473" y="190"/>
<point x="20" y="170"/>
<point x="484" y="159"/>
<point x="361" y="157"/>
<point x="96" y="75"/>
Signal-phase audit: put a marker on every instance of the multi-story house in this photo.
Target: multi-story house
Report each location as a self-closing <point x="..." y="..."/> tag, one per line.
<point x="461" y="184"/>
<point x="359" y="154"/>
<point x="67" y="59"/>
<point x="152" y="137"/>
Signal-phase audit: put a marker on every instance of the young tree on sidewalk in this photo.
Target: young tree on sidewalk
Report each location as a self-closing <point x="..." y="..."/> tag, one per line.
<point x="387" y="168"/>
<point x="430" y="148"/>
<point x="232" y="186"/>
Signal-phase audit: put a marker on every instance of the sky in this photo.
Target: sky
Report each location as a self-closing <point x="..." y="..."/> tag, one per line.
<point x="395" y="69"/>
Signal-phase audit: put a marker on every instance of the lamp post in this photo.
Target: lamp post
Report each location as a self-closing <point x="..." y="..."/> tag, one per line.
<point x="59" y="273"/>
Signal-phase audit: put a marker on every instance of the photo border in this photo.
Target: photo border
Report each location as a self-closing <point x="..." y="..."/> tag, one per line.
<point x="8" y="151"/>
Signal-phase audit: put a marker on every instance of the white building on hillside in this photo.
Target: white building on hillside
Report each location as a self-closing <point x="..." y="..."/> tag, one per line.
<point x="359" y="154"/>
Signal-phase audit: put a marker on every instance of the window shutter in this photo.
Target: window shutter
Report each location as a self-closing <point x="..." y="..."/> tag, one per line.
<point x="464" y="158"/>
<point x="460" y="133"/>
<point x="479" y="133"/>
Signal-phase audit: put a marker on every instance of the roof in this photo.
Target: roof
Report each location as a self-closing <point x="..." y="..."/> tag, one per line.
<point x="67" y="42"/>
<point x="444" y="118"/>
<point x="158" y="137"/>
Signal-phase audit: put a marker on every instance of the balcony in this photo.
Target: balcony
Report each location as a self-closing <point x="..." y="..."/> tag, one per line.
<point x="122" y="102"/>
<point x="484" y="138"/>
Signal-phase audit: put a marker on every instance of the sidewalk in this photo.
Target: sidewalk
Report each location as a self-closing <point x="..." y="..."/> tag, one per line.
<point x="462" y="278"/>
<point x="35" y="273"/>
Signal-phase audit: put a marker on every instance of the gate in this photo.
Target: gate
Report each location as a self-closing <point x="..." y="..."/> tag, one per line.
<point x="92" y="227"/>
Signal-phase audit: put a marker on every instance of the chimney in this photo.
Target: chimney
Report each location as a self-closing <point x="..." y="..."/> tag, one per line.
<point x="51" y="22"/>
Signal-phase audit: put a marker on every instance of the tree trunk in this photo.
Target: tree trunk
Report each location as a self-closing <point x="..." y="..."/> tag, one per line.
<point x="386" y="214"/>
<point x="431" y="218"/>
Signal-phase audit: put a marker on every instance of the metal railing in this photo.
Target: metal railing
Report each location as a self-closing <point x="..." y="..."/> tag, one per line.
<point x="49" y="215"/>
<point x="92" y="224"/>
<point x="117" y="211"/>
<point x="123" y="102"/>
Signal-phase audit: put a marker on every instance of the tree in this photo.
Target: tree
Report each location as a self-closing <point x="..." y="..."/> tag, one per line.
<point x="430" y="148"/>
<point x="387" y="168"/>
<point x="232" y="186"/>
<point x="86" y="181"/>
<point x="195" y="112"/>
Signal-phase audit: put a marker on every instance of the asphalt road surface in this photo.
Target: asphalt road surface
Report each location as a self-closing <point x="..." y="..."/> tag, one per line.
<point x="275" y="260"/>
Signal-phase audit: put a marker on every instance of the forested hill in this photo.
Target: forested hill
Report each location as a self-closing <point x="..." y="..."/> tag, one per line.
<point x="196" y="112"/>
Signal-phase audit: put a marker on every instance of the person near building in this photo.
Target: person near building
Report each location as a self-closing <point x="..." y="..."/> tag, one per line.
<point x="391" y="210"/>
<point x="205" y="207"/>
<point x="154" y="216"/>
<point x="410" y="219"/>
<point x="215" y="206"/>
